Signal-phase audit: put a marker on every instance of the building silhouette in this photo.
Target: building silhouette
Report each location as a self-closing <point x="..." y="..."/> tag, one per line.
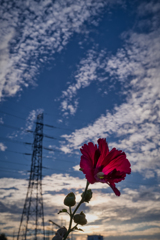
<point x="95" y="237"/>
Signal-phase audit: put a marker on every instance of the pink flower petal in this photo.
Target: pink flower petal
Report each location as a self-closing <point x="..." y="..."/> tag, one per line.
<point x="115" y="190"/>
<point x="120" y="163"/>
<point x="113" y="164"/>
<point x="112" y="154"/>
<point x="90" y="177"/>
<point x="103" y="148"/>
<point x="88" y="152"/>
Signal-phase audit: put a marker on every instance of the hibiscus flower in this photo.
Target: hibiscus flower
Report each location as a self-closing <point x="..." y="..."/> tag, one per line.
<point x="101" y="165"/>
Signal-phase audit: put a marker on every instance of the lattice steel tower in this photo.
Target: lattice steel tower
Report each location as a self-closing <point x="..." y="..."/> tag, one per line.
<point x="32" y="220"/>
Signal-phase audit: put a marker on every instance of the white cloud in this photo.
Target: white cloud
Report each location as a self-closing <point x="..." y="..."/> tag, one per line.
<point x="2" y="147"/>
<point x="65" y="149"/>
<point x="149" y="174"/>
<point x="134" y="213"/>
<point x="31" y="31"/>
<point x="147" y="8"/>
<point x="124" y="64"/>
<point x="86" y="73"/>
<point x="133" y="124"/>
<point x="32" y="118"/>
<point x="30" y="121"/>
<point x="76" y="168"/>
<point x="1" y="120"/>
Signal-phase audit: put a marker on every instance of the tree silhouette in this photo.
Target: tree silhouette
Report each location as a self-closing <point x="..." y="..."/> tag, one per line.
<point x="3" y="237"/>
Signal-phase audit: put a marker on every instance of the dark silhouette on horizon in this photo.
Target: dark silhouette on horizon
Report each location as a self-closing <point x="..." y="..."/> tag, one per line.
<point x="3" y="236"/>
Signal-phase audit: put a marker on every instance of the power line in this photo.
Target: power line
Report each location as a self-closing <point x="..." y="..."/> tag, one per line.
<point x="49" y="114"/>
<point x="46" y="113"/>
<point x="47" y="125"/>
<point x="68" y="129"/>
<point x="9" y="126"/>
<point x="51" y="149"/>
<point x="12" y="169"/>
<point x="59" y="160"/>
<point x="18" y="171"/>
<point x="45" y="168"/>
<point x="12" y="115"/>
<point x="49" y="168"/>
<point x="48" y="149"/>
<point x="14" y="162"/>
<point x="12" y="140"/>
<point x="49" y="158"/>
<point x="55" y="169"/>
<point x="17" y="152"/>
<point x="29" y="131"/>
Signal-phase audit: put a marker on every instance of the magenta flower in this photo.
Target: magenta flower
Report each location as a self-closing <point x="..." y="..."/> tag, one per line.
<point x="101" y="165"/>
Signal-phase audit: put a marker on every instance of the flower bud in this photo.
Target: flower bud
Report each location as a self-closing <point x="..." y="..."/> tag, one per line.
<point x="70" y="200"/>
<point x="80" y="218"/>
<point x="62" y="231"/>
<point x="57" y="237"/>
<point x="87" y="197"/>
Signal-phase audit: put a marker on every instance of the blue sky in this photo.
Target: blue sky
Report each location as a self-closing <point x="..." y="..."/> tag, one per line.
<point x="93" y="68"/>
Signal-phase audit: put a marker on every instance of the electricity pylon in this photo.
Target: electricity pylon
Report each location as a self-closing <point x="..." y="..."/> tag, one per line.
<point x="32" y="220"/>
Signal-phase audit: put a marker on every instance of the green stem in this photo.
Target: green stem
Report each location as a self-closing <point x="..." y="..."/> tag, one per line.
<point x="81" y="199"/>
<point x="72" y="214"/>
<point x="74" y="227"/>
<point x="70" y="224"/>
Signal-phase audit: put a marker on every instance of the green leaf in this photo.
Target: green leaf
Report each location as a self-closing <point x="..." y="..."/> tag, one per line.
<point x="63" y="210"/>
<point x="75" y="228"/>
<point x="80" y="229"/>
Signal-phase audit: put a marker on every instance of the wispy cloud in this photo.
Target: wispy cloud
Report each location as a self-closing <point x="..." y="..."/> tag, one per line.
<point x="29" y="124"/>
<point x="135" y="123"/>
<point x="2" y="147"/>
<point x="31" y="32"/>
<point x="87" y="72"/>
<point x="147" y="8"/>
<point x="32" y="118"/>
<point x="135" y="215"/>
<point x="1" y="120"/>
